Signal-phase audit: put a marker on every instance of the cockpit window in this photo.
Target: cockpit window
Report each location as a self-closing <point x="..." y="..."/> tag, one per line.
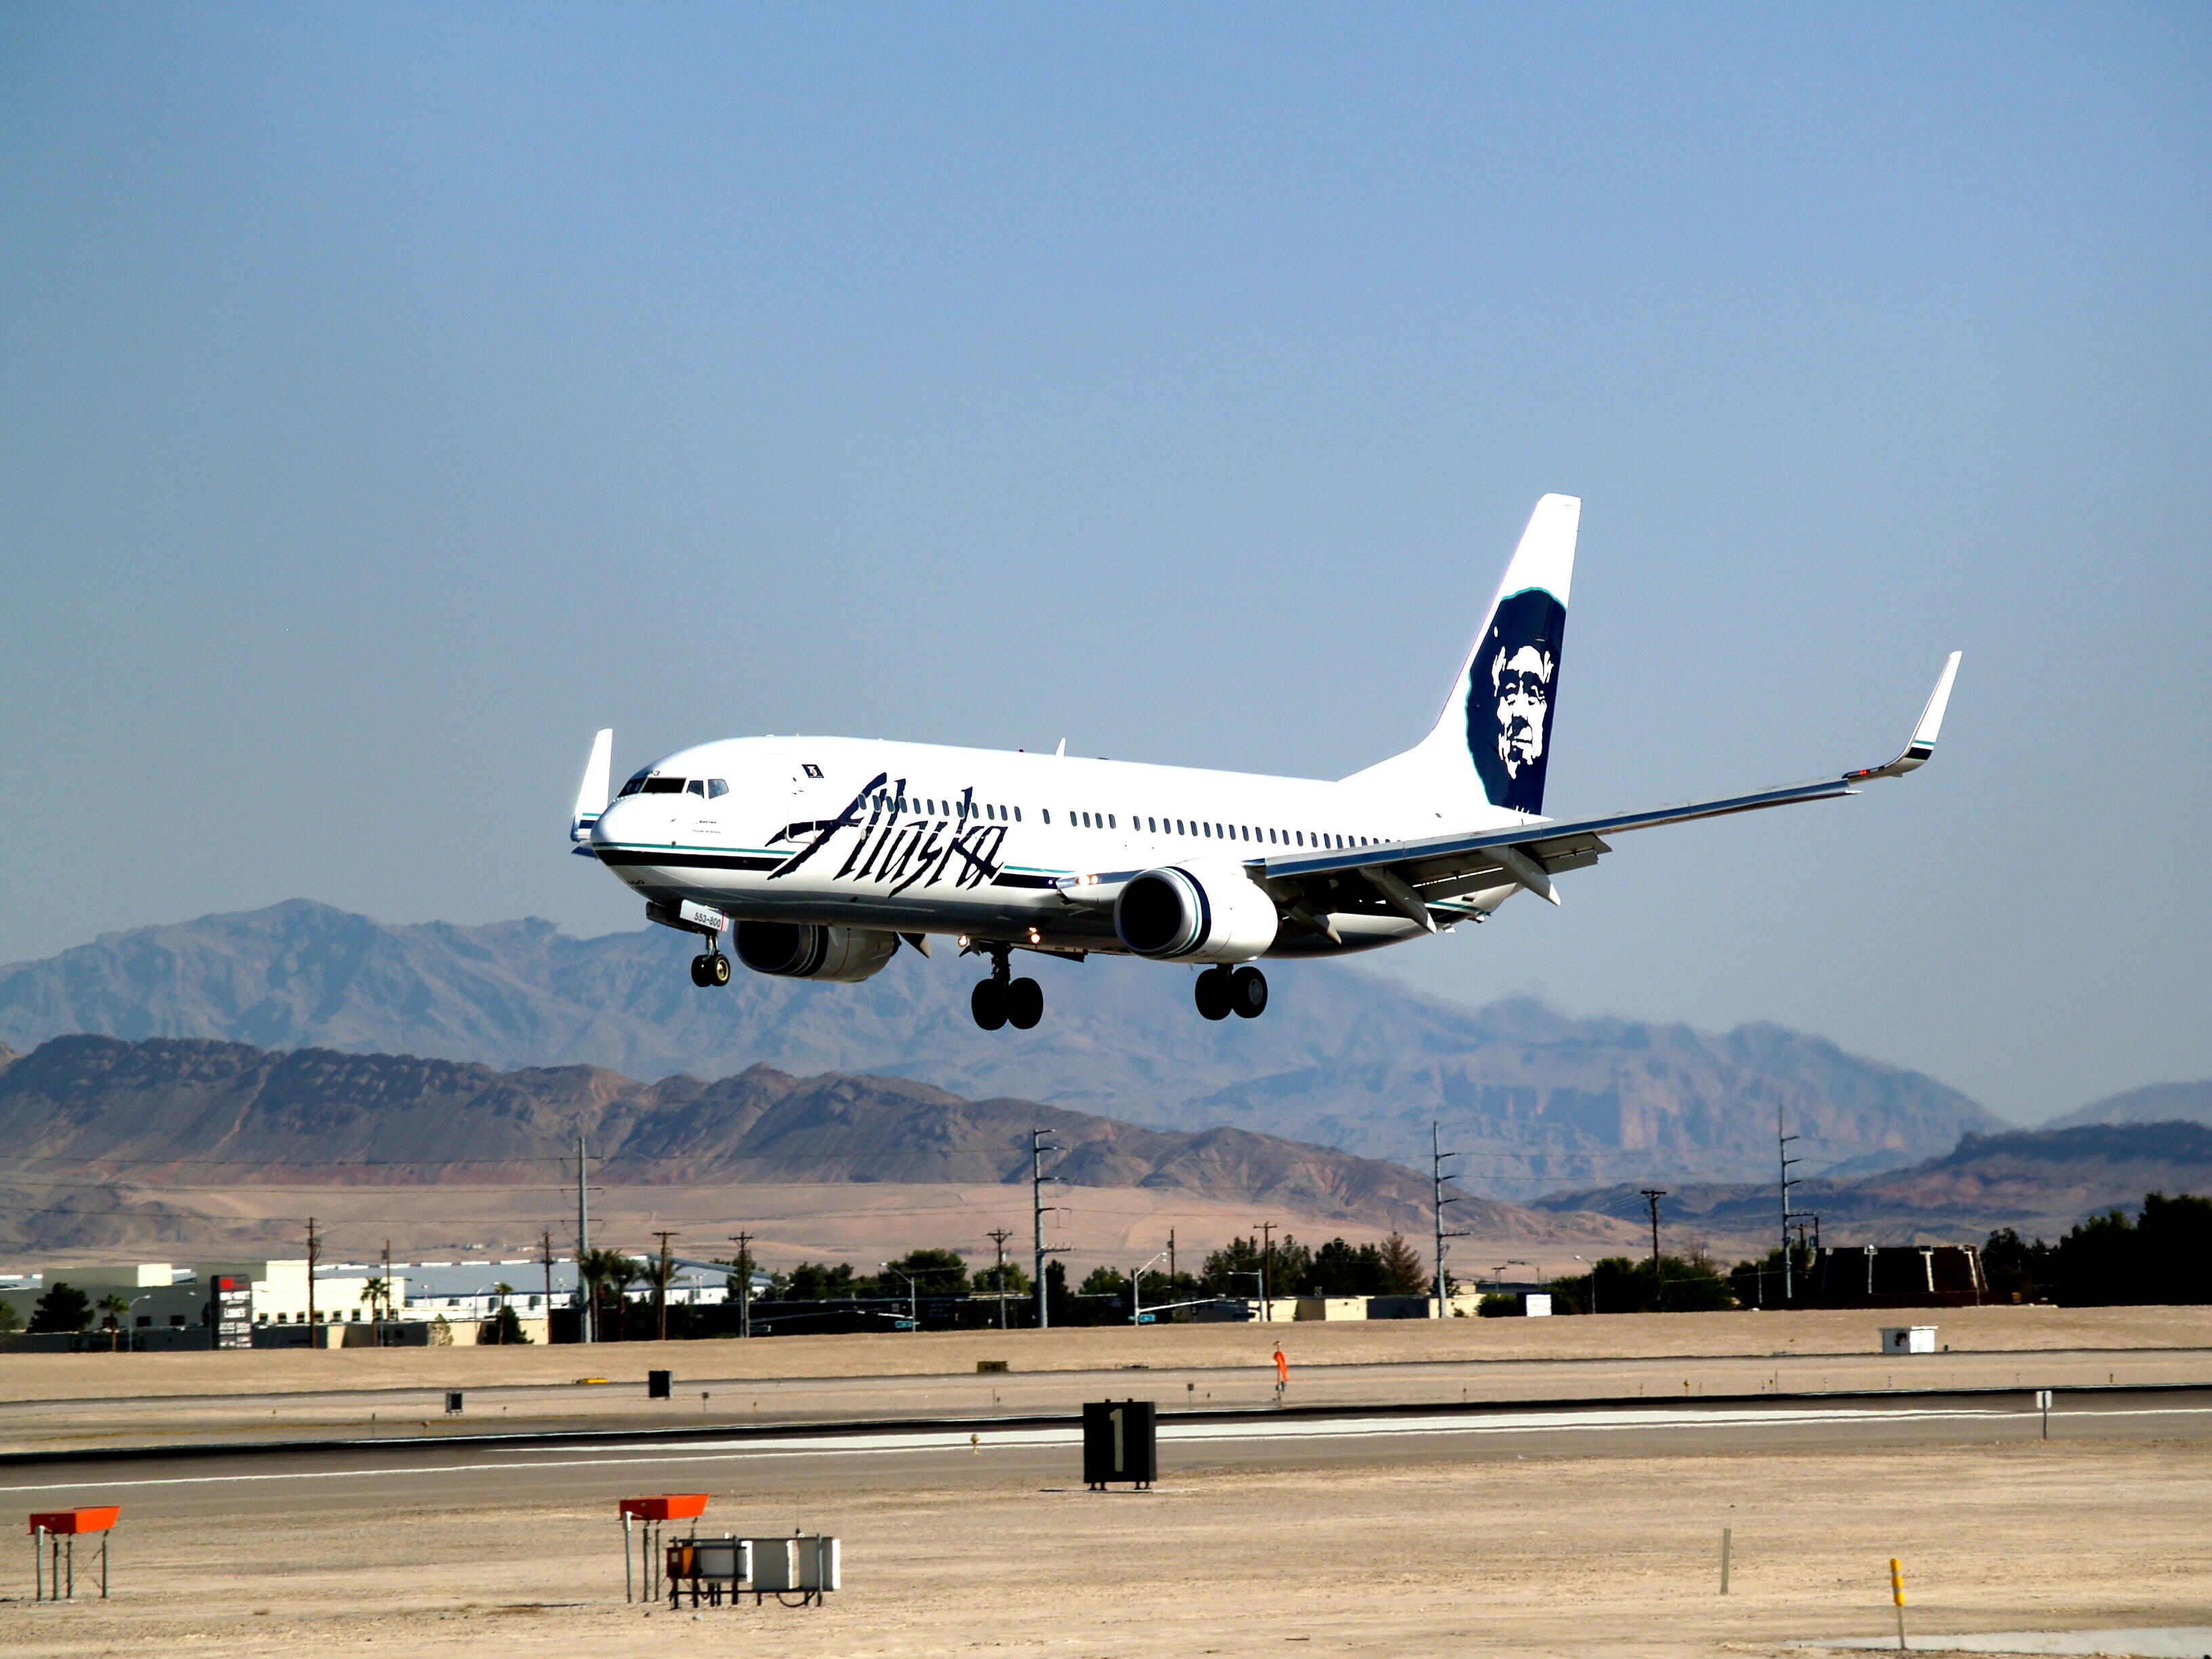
<point x="717" y="788"/>
<point x="698" y="786"/>
<point x="663" y="786"/>
<point x="636" y="782"/>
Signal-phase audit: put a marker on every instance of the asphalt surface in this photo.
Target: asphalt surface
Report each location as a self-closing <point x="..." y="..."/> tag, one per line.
<point x="801" y="1460"/>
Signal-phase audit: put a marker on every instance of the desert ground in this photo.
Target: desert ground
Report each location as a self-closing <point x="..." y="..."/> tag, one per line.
<point x="1377" y="1542"/>
<point x="862" y="1222"/>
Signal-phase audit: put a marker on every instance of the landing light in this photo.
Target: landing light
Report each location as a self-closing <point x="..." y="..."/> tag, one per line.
<point x="1035" y="938"/>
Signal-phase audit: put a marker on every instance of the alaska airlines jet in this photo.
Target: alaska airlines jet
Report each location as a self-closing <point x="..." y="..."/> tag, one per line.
<point x="821" y="855"/>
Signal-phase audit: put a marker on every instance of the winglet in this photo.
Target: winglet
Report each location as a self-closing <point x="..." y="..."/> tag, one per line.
<point x="1924" y="735"/>
<point x="591" y="796"/>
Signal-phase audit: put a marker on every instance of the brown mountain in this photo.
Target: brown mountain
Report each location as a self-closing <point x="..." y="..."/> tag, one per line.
<point x="1536" y="1100"/>
<point x="170" y="1111"/>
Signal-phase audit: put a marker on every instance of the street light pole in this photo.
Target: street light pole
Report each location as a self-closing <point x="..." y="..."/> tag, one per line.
<point x="1137" y="1292"/>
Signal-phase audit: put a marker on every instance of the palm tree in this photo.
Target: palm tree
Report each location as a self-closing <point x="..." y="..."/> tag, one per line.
<point x="117" y="1311"/>
<point x="502" y="1290"/>
<point x="377" y="1292"/>
<point x="597" y="1268"/>
<point x="624" y="1272"/>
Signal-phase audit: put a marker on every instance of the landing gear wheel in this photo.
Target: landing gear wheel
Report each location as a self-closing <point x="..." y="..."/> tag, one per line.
<point x="701" y="974"/>
<point x="988" y="1002"/>
<point x="1248" y="993"/>
<point x="1025" y="1001"/>
<point x="1212" y="992"/>
<point x="719" y="969"/>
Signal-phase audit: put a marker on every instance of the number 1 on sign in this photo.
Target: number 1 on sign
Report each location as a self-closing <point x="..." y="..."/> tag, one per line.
<point x="1118" y="1462"/>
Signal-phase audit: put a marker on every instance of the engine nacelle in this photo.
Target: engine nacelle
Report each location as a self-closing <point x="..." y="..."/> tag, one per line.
<point x="802" y="951"/>
<point x="1202" y="912"/>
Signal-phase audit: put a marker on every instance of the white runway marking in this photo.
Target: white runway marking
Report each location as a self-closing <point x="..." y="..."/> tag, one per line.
<point x="984" y="1439"/>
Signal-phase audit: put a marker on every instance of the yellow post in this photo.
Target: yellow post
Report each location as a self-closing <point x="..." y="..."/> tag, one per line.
<point x="1897" y="1594"/>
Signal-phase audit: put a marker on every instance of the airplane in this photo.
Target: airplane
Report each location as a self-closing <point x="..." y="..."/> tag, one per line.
<point x="821" y="856"/>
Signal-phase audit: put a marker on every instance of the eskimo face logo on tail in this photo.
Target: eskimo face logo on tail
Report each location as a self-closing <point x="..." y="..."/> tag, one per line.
<point x="1512" y="687"/>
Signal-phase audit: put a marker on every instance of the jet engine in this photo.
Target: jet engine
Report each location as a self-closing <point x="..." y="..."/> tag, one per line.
<point x="1195" y="913"/>
<point x="803" y="951"/>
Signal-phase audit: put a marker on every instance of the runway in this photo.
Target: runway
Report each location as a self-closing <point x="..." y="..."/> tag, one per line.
<point x="763" y="1463"/>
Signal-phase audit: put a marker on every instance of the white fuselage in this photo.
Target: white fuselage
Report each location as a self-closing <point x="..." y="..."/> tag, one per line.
<point x="915" y="838"/>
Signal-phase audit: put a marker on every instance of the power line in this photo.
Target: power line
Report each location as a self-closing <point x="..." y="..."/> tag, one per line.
<point x="1037" y="1209"/>
<point x="999" y="1235"/>
<point x="745" y="1265"/>
<point x="1437" y="1157"/>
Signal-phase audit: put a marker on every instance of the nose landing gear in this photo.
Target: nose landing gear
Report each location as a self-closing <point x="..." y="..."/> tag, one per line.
<point x="1001" y="1000"/>
<point x="711" y="969"/>
<point x="1221" y="992"/>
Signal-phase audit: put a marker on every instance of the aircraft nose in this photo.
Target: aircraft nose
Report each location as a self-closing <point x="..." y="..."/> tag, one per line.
<point x="609" y="830"/>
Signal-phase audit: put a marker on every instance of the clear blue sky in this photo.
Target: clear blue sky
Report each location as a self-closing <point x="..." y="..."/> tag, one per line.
<point x="391" y="396"/>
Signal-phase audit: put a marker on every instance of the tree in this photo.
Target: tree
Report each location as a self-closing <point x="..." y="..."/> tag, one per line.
<point x="1341" y="1269"/>
<point x="992" y="1280"/>
<point x="1404" y="1272"/>
<point x="1685" y="1284"/>
<point x="1058" y="1305"/>
<point x="505" y="1318"/>
<point x="115" y="1310"/>
<point x="10" y="1319"/>
<point x="623" y="1272"/>
<point x="504" y="1328"/>
<point x="2164" y="1256"/>
<point x="62" y="1308"/>
<point x="941" y="1272"/>
<point x="817" y="1281"/>
<point x="1233" y="1270"/>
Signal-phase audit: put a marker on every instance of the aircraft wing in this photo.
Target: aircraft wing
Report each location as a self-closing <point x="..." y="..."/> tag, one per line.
<point x="1409" y="877"/>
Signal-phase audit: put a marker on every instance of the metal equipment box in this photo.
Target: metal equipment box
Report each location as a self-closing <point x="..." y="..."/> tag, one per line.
<point x="1121" y="1441"/>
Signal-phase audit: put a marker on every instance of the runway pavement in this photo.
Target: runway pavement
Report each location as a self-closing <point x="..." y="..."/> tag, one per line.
<point x="751" y="1464"/>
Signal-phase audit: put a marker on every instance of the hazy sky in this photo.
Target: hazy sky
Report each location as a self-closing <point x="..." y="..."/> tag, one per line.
<point x="389" y="397"/>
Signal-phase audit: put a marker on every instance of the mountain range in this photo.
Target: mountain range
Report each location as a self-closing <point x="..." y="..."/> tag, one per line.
<point x="2038" y="1181"/>
<point x="161" y="1113"/>
<point x="1532" y="1099"/>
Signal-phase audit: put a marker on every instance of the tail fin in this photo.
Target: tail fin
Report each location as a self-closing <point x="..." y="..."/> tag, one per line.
<point x="1493" y="739"/>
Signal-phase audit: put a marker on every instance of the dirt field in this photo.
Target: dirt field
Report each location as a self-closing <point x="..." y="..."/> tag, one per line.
<point x="1546" y="1556"/>
<point x="863" y="1223"/>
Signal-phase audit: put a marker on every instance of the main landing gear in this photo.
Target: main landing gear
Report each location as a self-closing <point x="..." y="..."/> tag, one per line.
<point x="711" y="969"/>
<point x="1222" y="992"/>
<point x="999" y="1000"/>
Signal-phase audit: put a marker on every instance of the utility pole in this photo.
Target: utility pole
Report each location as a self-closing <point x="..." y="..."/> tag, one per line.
<point x="1651" y="1196"/>
<point x="1437" y="1157"/>
<point x="387" y="1290"/>
<point x="587" y="1326"/>
<point x="660" y="1281"/>
<point x="314" y="1254"/>
<point x="1172" y="1266"/>
<point x="1788" y="1182"/>
<point x="1038" y="1208"/>
<point x="999" y="1235"/>
<point x="744" y="1265"/>
<point x="545" y="1252"/>
<point x="1267" y="1266"/>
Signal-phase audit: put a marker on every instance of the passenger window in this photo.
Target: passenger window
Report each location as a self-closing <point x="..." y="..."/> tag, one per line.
<point x="1048" y="813"/>
<point x="1111" y="825"/>
<point x="1017" y="815"/>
